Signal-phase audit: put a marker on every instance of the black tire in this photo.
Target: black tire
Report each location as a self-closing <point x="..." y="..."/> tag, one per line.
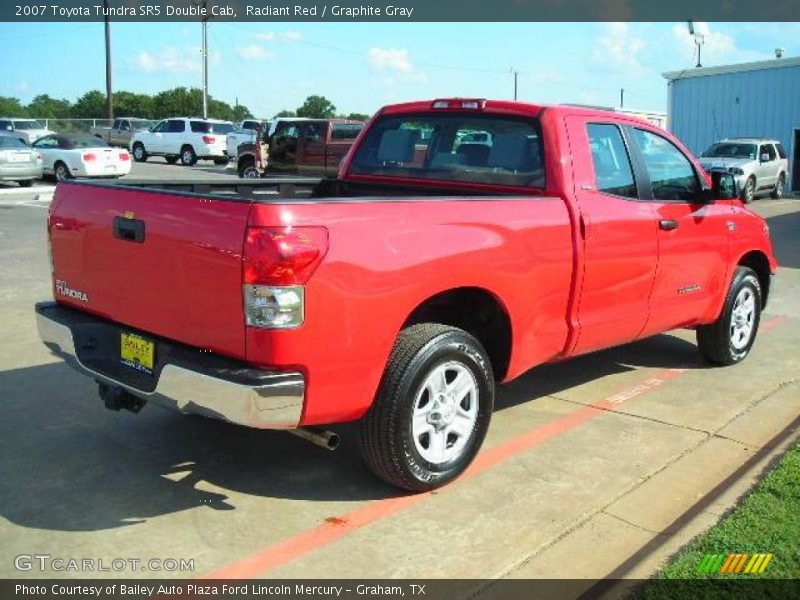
<point x="188" y="156"/>
<point x="720" y="342"/>
<point x="220" y="161"/>
<point x="139" y="152"/>
<point x="25" y="183"/>
<point x="780" y="186"/>
<point x="61" y="172"/>
<point x="171" y="160"/>
<point x="386" y="437"/>
<point x="749" y="190"/>
<point x="247" y="168"/>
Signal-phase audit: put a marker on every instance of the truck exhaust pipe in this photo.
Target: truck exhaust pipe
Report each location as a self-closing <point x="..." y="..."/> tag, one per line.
<point x="115" y="398"/>
<point x="324" y="439"/>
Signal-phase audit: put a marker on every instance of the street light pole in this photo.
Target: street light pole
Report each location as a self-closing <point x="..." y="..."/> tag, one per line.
<point x="109" y="91"/>
<point x="515" y="73"/>
<point x="205" y="67"/>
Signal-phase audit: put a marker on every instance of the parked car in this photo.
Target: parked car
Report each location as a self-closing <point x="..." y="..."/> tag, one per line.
<point x="27" y="130"/>
<point x="65" y="156"/>
<point x="400" y="292"/>
<point x="121" y="131"/>
<point x="186" y="138"/>
<point x="304" y="146"/>
<point x="18" y="162"/>
<point x="759" y="165"/>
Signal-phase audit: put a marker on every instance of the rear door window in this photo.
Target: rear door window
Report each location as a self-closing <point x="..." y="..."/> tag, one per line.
<point x="612" y="165"/>
<point x="437" y="146"/>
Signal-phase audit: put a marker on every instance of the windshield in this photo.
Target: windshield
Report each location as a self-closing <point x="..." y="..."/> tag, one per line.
<point x="84" y="142"/>
<point x="28" y="125"/>
<point x="460" y="146"/>
<point x="206" y="127"/>
<point x="6" y="141"/>
<point x="728" y="150"/>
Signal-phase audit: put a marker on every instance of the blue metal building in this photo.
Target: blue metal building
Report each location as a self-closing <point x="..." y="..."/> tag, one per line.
<point x="759" y="99"/>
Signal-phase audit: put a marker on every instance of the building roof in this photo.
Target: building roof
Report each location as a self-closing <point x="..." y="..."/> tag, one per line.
<point x="775" y="63"/>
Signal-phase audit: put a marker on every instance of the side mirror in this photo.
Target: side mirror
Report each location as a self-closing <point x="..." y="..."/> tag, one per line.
<point x="765" y="157"/>
<point x="723" y="186"/>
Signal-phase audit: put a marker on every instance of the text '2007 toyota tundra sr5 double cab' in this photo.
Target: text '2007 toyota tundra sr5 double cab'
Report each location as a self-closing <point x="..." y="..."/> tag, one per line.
<point x="462" y="243"/>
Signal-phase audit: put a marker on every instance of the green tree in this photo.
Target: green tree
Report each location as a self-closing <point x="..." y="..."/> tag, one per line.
<point x="92" y="105"/>
<point x="129" y="104"/>
<point x="241" y="112"/>
<point x="178" y="102"/>
<point x="45" y="107"/>
<point x="11" y="107"/>
<point x="317" y="107"/>
<point x="285" y="113"/>
<point x="358" y="117"/>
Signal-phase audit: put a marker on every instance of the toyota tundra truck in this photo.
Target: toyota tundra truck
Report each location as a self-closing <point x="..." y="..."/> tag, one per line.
<point x="436" y="265"/>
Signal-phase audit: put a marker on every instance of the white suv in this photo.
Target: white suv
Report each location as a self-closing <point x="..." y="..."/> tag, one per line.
<point x="187" y="139"/>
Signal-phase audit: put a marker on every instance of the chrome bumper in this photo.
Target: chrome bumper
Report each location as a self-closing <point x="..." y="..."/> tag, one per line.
<point x="264" y="400"/>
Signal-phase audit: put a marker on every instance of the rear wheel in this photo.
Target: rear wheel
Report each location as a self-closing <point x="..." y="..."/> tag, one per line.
<point x="780" y="186"/>
<point x="139" y="153"/>
<point x="728" y="340"/>
<point x="247" y="168"/>
<point x="171" y="160"/>
<point x="188" y="156"/>
<point x="61" y="172"/>
<point x="432" y="410"/>
<point x="749" y="190"/>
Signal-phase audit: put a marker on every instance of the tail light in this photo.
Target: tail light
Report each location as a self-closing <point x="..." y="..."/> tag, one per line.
<point x="124" y="156"/>
<point x="209" y="139"/>
<point x="459" y="104"/>
<point x="277" y="262"/>
<point x="88" y="157"/>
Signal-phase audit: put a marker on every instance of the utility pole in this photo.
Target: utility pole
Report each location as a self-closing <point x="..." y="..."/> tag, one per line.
<point x="205" y="66"/>
<point x="622" y="97"/>
<point x="109" y="91"/>
<point x="515" y="73"/>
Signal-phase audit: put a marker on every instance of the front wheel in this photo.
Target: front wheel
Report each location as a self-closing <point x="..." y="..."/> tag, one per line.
<point x="728" y="340"/>
<point x="432" y="410"/>
<point x="247" y="169"/>
<point x="780" y="186"/>
<point x="139" y="153"/>
<point x="749" y="190"/>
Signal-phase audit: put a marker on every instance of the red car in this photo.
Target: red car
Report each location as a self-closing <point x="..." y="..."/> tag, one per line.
<point x="463" y="242"/>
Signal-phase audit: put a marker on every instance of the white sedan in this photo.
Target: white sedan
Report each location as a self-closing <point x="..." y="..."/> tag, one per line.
<point x="66" y="156"/>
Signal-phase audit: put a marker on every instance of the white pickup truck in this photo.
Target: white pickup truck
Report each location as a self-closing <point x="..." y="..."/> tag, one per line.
<point x="244" y="133"/>
<point x="185" y="138"/>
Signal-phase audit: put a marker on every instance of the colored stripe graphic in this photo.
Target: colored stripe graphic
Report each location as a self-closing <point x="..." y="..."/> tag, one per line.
<point x="734" y="563"/>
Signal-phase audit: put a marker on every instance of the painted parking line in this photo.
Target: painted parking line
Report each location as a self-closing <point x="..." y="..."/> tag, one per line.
<point x="305" y="542"/>
<point x="36" y="189"/>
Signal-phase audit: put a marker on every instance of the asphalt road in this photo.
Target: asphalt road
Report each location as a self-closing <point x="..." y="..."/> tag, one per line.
<point x="632" y="450"/>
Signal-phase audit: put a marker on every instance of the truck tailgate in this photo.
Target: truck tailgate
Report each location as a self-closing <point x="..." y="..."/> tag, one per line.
<point x="182" y="280"/>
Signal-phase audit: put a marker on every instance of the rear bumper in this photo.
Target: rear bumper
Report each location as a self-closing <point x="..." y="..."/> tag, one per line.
<point x="14" y="172"/>
<point x="184" y="379"/>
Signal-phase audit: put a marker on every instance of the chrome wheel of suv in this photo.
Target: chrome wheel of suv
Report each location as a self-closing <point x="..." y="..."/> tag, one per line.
<point x="749" y="191"/>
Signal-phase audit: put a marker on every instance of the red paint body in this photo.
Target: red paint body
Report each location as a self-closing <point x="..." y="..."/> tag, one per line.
<point x="575" y="269"/>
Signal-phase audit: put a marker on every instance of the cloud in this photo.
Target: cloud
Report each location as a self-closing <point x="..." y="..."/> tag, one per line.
<point x="618" y="48"/>
<point x="389" y="59"/>
<point x="254" y="52"/>
<point x="285" y="36"/>
<point x="169" y="59"/>
<point x="20" y="87"/>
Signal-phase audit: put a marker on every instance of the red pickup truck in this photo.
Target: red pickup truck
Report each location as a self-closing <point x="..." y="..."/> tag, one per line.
<point x="462" y="243"/>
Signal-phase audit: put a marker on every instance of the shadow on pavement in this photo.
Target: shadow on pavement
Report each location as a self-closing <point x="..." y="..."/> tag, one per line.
<point x="69" y="464"/>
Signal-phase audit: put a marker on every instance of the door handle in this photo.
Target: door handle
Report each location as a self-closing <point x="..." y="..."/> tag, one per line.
<point x="668" y="224"/>
<point x="129" y="230"/>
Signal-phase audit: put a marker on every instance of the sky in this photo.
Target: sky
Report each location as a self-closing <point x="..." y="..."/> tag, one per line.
<point x="361" y="66"/>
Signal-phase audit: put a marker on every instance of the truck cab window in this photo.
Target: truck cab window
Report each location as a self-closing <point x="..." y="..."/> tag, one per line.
<point x="612" y="165"/>
<point x="672" y="176"/>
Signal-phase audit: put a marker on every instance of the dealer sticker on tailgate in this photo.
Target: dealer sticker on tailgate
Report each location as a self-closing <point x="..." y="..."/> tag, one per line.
<point x="137" y="352"/>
